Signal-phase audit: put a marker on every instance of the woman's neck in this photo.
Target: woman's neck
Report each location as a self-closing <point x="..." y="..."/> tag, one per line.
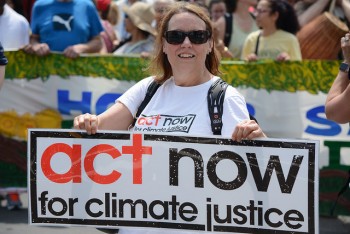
<point x="192" y="78"/>
<point x="268" y="30"/>
<point x="137" y="36"/>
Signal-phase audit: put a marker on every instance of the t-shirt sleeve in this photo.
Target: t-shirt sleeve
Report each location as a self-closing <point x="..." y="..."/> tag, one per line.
<point x="295" y="53"/>
<point x="134" y="96"/>
<point x="95" y="22"/>
<point x="3" y="59"/>
<point x="234" y="111"/>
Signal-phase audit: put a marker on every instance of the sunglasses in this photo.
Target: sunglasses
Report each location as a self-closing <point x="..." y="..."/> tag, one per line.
<point x="176" y="37"/>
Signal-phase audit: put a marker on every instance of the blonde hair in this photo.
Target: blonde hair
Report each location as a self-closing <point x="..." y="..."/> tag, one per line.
<point x="113" y="14"/>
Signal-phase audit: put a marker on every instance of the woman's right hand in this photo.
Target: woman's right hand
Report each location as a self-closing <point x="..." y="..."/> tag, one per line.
<point x="86" y="122"/>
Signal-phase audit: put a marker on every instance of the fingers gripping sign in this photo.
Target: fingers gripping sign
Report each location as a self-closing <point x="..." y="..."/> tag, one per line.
<point x="86" y="122"/>
<point x="247" y="129"/>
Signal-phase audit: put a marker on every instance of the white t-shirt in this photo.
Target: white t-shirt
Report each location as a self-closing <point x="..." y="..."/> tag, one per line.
<point x="14" y="29"/>
<point x="182" y="110"/>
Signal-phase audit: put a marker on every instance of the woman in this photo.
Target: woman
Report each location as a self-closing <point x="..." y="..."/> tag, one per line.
<point x="138" y="22"/>
<point x="186" y="64"/>
<point x="337" y="107"/>
<point x="276" y="38"/>
<point x="230" y="40"/>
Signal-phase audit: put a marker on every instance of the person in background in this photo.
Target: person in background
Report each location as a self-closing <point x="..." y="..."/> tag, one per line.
<point x="14" y="34"/>
<point x="202" y="4"/>
<point x="230" y="40"/>
<point x="12" y="194"/>
<point x="217" y="9"/>
<point x="14" y="28"/>
<point x="276" y="38"/>
<point x="307" y="10"/>
<point x="69" y="26"/>
<point x="275" y="41"/>
<point x="108" y="35"/>
<point x="121" y="32"/>
<point x="160" y="8"/>
<point x="337" y="102"/>
<point x="138" y="22"/>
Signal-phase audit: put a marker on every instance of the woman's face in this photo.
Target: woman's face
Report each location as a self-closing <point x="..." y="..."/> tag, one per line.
<point x="129" y="26"/>
<point x="263" y="14"/>
<point x="160" y="8"/>
<point x="217" y="10"/>
<point x="187" y="53"/>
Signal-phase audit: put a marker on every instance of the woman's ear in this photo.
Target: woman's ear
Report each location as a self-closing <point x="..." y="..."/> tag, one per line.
<point x="211" y="44"/>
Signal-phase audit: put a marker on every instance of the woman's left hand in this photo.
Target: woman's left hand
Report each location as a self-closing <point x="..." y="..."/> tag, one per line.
<point x="247" y="130"/>
<point x="283" y="57"/>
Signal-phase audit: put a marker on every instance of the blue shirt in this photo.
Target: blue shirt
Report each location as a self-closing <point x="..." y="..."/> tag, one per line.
<point x="63" y="24"/>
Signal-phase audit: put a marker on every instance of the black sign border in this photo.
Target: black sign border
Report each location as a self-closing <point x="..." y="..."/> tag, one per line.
<point x="34" y="134"/>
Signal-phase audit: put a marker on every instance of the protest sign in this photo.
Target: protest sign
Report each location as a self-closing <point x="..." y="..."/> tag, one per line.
<point x="124" y="179"/>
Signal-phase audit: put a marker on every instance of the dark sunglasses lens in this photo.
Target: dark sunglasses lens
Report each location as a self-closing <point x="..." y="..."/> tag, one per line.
<point x="178" y="37"/>
<point x="198" y="37"/>
<point x="174" y="37"/>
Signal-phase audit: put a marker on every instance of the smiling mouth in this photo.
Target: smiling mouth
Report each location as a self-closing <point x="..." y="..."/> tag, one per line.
<point x="186" y="55"/>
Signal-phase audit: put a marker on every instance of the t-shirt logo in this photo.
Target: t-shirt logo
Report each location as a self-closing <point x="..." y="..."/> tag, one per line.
<point x="164" y="123"/>
<point x="63" y="22"/>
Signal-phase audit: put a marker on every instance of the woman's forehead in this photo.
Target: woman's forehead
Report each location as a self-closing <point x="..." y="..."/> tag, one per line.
<point x="185" y="20"/>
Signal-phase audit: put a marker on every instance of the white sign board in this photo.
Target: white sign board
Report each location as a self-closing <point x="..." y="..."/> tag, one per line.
<point x="124" y="179"/>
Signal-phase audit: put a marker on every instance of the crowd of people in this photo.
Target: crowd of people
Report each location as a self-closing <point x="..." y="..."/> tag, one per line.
<point x="247" y="30"/>
<point x="172" y="37"/>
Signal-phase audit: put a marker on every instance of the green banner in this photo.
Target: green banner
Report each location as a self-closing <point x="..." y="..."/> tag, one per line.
<point x="313" y="76"/>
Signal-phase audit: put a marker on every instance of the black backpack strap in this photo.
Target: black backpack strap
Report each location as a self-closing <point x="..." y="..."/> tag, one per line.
<point x="216" y="96"/>
<point x="257" y="44"/>
<point x="342" y="190"/>
<point x="151" y="90"/>
<point x="228" y="28"/>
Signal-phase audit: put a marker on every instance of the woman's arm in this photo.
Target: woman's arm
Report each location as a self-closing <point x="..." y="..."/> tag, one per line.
<point x="337" y="106"/>
<point x="312" y="12"/>
<point x="117" y="117"/>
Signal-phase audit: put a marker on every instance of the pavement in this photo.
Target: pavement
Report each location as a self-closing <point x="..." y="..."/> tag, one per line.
<point x="16" y="222"/>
